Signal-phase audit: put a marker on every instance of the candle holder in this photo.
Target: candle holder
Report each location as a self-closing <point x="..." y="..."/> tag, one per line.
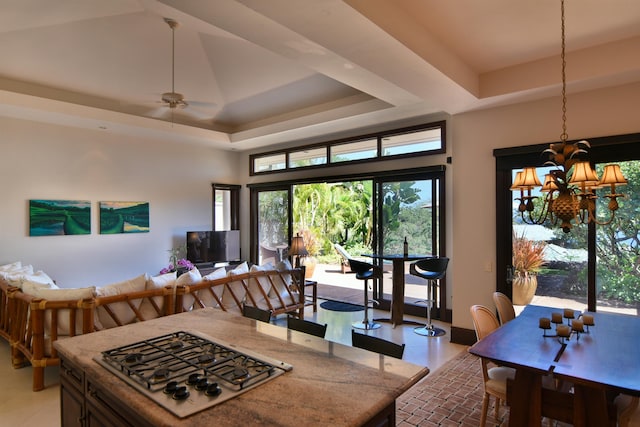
<point x="556" y="318"/>
<point x="564" y="333"/>
<point x="569" y="314"/>
<point x="545" y="325"/>
<point x="578" y="327"/>
<point x="587" y="320"/>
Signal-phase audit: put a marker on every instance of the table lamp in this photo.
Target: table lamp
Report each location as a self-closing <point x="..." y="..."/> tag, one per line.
<point x="298" y="249"/>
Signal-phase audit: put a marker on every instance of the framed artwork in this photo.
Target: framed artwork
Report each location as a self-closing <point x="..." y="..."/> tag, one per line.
<point x="124" y="217"/>
<point x="59" y="217"/>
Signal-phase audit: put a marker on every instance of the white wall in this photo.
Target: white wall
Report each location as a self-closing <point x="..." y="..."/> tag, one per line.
<point x="599" y="113"/>
<point x="42" y="161"/>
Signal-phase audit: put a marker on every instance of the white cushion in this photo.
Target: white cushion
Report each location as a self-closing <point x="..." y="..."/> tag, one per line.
<point x="14" y="276"/>
<point x="39" y="278"/>
<point x="120" y="309"/>
<point x="11" y="266"/>
<point x="65" y="294"/>
<point x="281" y="282"/>
<point x="259" y="282"/>
<point x="156" y="282"/>
<point x="205" y="294"/>
<point x="236" y="286"/>
<point x="191" y="277"/>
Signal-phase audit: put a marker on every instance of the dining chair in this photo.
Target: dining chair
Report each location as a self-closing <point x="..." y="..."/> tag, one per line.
<point x="377" y="345"/>
<point x="365" y="271"/>
<point x="432" y="270"/>
<point x="626" y="407"/>
<point x="306" y="326"/>
<point x="256" y="313"/>
<point x="504" y="307"/>
<point x="494" y="377"/>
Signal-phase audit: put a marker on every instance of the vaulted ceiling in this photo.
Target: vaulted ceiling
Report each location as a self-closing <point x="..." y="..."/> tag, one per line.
<point x="262" y="72"/>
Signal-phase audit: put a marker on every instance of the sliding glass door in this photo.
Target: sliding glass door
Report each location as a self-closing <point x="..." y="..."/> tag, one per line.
<point x="272" y="225"/>
<point x="411" y="209"/>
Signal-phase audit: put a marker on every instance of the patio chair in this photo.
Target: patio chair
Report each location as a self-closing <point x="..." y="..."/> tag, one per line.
<point x="344" y="258"/>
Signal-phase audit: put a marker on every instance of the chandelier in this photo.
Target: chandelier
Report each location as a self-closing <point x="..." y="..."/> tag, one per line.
<point x="569" y="189"/>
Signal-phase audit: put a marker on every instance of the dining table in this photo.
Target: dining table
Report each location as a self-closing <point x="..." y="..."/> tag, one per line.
<point x="397" y="285"/>
<point x="590" y="368"/>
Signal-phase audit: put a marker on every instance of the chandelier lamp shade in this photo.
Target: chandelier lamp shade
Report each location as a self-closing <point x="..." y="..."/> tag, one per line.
<point x="569" y="189"/>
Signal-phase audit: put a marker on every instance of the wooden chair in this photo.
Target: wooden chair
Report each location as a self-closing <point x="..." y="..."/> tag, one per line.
<point x="495" y="377"/>
<point x="504" y="307"/>
<point x="306" y="326"/>
<point x="377" y="345"/>
<point x="256" y="313"/>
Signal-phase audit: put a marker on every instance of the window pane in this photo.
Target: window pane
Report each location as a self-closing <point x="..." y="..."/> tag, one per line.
<point x="617" y="246"/>
<point x="222" y="210"/>
<point x="273" y="228"/>
<point x="269" y="163"/>
<point x="549" y="265"/>
<point x="426" y="140"/>
<point x="359" y="150"/>
<point x="311" y="157"/>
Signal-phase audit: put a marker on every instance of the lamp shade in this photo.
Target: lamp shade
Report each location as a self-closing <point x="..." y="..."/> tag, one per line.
<point x="612" y="175"/>
<point x="530" y="178"/>
<point x="297" y="246"/>
<point x="549" y="184"/>
<point x="584" y="175"/>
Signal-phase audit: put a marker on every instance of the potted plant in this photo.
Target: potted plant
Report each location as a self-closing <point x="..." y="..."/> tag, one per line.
<point x="312" y="245"/>
<point x="528" y="259"/>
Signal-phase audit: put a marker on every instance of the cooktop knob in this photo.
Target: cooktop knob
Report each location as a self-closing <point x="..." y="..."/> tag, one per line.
<point x="213" y="390"/>
<point x="181" y="393"/>
<point x="171" y="387"/>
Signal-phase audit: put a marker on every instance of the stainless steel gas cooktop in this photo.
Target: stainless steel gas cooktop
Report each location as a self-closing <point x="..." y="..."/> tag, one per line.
<point x="187" y="372"/>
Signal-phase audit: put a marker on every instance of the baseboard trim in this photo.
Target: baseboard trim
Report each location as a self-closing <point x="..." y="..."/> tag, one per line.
<point x="463" y="336"/>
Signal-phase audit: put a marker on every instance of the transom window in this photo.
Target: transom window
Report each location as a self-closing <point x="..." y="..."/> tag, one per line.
<point x="413" y="141"/>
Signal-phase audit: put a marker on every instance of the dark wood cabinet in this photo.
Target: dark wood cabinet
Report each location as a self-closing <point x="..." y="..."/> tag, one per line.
<point x="84" y="403"/>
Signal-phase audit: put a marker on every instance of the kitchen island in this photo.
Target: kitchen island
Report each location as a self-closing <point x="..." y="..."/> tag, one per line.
<point x="330" y="383"/>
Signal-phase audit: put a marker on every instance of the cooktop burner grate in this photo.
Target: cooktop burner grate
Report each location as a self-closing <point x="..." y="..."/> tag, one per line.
<point x="188" y="367"/>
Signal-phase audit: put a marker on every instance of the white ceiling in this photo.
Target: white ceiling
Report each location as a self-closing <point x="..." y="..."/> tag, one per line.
<point x="261" y="72"/>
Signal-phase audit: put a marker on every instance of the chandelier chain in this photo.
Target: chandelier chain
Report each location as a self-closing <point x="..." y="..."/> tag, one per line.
<point x="564" y="136"/>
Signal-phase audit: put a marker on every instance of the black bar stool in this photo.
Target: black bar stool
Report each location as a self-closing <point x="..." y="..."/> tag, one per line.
<point x="365" y="271"/>
<point x="431" y="269"/>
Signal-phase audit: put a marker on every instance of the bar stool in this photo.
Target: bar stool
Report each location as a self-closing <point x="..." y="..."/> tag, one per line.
<point x="431" y="269"/>
<point x="365" y="271"/>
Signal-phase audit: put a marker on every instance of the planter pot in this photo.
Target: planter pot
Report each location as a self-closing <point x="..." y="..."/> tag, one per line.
<point x="310" y="266"/>
<point x="524" y="288"/>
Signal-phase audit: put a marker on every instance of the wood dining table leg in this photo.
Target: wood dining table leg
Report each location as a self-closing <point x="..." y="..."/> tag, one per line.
<point x="524" y="397"/>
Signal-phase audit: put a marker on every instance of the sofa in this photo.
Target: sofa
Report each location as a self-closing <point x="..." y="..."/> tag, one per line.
<point x="35" y="312"/>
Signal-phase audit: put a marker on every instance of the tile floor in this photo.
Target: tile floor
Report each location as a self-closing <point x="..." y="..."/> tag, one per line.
<point x="19" y="406"/>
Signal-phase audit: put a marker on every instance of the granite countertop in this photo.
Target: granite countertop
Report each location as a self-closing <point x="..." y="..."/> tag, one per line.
<point x="330" y="383"/>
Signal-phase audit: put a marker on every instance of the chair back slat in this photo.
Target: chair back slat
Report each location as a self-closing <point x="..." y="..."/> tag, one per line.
<point x="377" y="345"/>
<point x="306" y="326"/>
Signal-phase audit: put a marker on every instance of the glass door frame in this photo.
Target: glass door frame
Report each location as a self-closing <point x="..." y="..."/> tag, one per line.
<point x="438" y="224"/>
<point x="604" y="149"/>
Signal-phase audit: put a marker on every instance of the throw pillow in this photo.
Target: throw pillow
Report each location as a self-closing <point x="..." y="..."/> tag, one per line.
<point x="206" y="295"/>
<point x="236" y="287"/>
<point x="70" y="294"/>
<point x="147" y="311"/>
<point x="121" y="310"/>
<point x="191" y="277"/>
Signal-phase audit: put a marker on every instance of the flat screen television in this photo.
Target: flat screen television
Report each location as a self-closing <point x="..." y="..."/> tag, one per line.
<point x="213" y="246"/>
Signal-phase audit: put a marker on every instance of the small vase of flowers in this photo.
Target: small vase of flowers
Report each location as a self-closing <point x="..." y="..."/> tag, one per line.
<point x="177" y="264"/>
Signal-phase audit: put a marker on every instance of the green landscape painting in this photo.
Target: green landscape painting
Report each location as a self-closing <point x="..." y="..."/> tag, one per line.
<point x="124" y="217"/>
<point x="59" y="217"/>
